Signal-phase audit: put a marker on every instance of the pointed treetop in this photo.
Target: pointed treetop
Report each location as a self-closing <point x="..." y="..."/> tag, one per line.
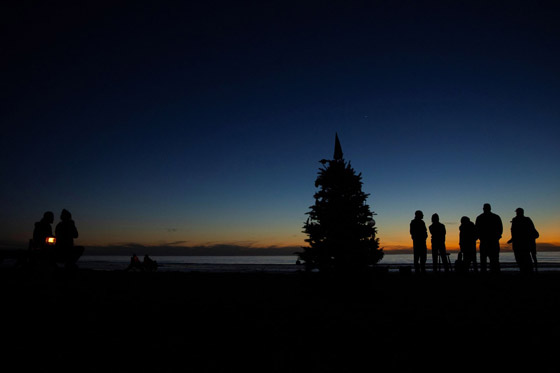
<point x="337" y="148"/>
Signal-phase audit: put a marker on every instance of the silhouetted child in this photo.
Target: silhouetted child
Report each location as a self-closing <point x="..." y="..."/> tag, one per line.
<point x="437" y="231"/>
<point x="467" y="244"/>
<point x="65" y="232"/>
<point x="419" y="234"/>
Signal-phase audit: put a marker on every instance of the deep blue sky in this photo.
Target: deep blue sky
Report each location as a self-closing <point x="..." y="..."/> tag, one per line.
<point x="203" y="122"/>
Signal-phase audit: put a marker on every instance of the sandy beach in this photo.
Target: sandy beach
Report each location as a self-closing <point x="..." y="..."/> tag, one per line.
<point x="216" y="322"/>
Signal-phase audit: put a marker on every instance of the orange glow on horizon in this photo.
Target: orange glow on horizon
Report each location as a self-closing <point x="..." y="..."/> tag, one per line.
<point x="392" y="237"/>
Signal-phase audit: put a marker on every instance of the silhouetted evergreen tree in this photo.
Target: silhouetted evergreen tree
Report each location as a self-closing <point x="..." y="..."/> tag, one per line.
<point x="341" y="229"/>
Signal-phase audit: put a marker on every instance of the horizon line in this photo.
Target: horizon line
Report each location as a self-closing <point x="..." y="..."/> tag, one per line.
<point x="231" y="249"/>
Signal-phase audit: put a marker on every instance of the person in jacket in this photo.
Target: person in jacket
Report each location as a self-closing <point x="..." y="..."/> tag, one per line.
<point x="39" y="250"/>
<point x="65" y="233"/>
<point x="523" y="240"/>
<point x="419" y="234"/>
<point x="42" y="230"/>
<point x="489" y="230"/>
<point x="437" y="230"/>
<point x="467" y="244"/>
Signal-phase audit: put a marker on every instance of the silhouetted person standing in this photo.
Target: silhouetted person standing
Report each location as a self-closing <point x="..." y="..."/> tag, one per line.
<point x="419" y="235"/>
<point x="65" y="232"/>
<point x="467" y="243"/>
<point x="523" y="236"/>
<point x="489" y="230"/>
<point x="437" y="230"/>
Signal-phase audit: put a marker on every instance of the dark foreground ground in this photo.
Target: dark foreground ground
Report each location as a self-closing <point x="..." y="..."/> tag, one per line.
<point x="198" y="322"/>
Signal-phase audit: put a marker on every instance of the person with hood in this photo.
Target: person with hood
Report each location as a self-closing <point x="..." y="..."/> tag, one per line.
<point x="65" y="233"/>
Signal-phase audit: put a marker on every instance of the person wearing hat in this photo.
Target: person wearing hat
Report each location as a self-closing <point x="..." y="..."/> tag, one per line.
<point x="523" y="236"/>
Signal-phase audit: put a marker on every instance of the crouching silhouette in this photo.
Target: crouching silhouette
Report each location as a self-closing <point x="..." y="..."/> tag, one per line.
<point x="150" y="265"/>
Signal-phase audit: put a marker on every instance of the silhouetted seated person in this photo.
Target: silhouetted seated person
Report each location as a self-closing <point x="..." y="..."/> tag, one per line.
<point x="134" y="264"/>
<point x="419" y="234"/>
<point x="150" y="265"/>
<point x="39" y="248"/>
<point x="489" y="230"/>
<point x="523" y="236"/>
<point x="467" y="244"/>
<point x="437" y="231"/>
<point x="66" y="232"/>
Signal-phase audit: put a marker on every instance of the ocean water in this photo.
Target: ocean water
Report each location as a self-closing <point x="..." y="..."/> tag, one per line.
<point x="547" y="261"/>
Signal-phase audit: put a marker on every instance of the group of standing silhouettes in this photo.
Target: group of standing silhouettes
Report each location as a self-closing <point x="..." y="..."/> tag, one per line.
<point x="488" y="230"/>
<point x="58" y="248"/>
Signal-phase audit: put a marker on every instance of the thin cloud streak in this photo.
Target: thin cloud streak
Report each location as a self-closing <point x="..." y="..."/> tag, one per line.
<point x="198" y="250"/>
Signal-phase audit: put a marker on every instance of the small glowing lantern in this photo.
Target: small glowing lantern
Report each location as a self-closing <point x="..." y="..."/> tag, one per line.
<point x="50" y="240"/>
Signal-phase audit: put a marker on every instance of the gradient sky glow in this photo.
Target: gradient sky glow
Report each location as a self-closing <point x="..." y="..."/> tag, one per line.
<point x="203" y="124"/>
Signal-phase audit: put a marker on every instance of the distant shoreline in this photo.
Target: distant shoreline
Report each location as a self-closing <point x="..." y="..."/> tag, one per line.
<point x="231" y="250"/>
<point x="286" y="264"/>
<point x="392" y="262"/>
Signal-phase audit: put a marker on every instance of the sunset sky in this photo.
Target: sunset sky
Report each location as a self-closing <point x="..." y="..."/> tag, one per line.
<point x="202" y="123"/>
